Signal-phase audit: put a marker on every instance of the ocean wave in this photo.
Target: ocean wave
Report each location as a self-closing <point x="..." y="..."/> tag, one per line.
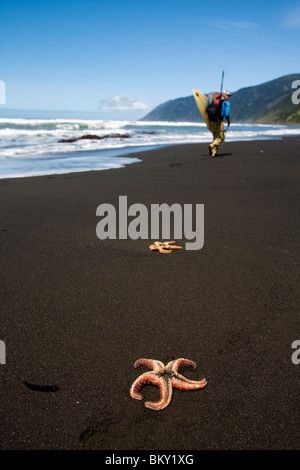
<point x="34" y="141"/>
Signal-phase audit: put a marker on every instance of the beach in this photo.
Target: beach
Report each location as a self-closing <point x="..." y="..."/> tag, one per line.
<point x="77" y="311"/>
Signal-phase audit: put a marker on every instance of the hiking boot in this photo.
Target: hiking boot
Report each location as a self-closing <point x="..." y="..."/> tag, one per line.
<point x="214" y="153"/>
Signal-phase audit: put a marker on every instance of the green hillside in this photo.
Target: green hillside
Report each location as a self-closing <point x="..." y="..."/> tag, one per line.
<point x="270" y="102"/>
<point x="283" y="112"/>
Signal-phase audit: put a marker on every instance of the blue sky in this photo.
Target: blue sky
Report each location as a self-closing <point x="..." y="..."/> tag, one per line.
<point x="122" y="58"/>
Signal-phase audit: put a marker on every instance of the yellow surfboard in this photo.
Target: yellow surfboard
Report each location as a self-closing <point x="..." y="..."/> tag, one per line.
<point x="201" y="101"/>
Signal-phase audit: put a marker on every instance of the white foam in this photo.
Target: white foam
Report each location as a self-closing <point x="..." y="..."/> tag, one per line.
<point x="36" y="141"/>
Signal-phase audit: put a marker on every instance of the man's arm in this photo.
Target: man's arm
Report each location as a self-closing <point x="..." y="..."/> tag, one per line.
<point x="226" y="111"/>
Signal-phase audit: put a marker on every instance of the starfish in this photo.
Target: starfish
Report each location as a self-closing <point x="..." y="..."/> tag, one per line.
<point x="165" y="377"/>
<point x="164" y="247"/>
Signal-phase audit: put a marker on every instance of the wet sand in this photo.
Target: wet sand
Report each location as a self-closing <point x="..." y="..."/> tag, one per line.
<point x="77" y="312"/>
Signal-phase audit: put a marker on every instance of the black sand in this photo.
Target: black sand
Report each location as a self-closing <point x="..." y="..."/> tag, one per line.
<point x="77" y="312"/>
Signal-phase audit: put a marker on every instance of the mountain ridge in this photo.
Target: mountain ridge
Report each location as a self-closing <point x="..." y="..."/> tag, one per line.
<point x="270" y="102"/>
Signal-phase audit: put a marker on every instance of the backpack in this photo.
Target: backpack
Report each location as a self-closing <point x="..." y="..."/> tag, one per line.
<point x="214" y="107"/>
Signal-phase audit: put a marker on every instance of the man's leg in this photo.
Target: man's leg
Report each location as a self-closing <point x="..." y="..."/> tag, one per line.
<point x="213" y="130"/>
<point x="217" y="129"/>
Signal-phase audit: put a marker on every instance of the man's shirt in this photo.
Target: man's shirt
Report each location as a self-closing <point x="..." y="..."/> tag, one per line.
<point x="225" y="111"/>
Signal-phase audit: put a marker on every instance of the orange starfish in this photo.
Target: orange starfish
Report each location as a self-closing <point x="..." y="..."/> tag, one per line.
<point x="165" y="377"/>
<point x="164" y="247"/>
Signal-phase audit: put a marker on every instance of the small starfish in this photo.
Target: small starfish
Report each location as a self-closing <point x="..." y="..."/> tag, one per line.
<point x="165" y="377"/>
<point x="164" y="247"/>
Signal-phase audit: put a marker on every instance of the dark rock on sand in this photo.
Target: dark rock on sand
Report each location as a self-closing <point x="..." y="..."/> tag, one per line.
<point x="96" y="137"/>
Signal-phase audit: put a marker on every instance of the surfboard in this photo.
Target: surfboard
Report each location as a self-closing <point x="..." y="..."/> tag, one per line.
<point x="201" y="101"/>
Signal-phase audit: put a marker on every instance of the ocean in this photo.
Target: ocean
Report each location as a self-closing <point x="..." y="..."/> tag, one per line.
<point x="31" y="147"/>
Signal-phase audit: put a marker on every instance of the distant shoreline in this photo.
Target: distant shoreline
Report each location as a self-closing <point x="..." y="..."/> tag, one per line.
<point x="67" y="114"/>
<point x="134" y="153"/>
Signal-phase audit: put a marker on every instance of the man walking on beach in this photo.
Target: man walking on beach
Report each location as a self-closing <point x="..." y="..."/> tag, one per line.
<point x="218" y="107"/>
